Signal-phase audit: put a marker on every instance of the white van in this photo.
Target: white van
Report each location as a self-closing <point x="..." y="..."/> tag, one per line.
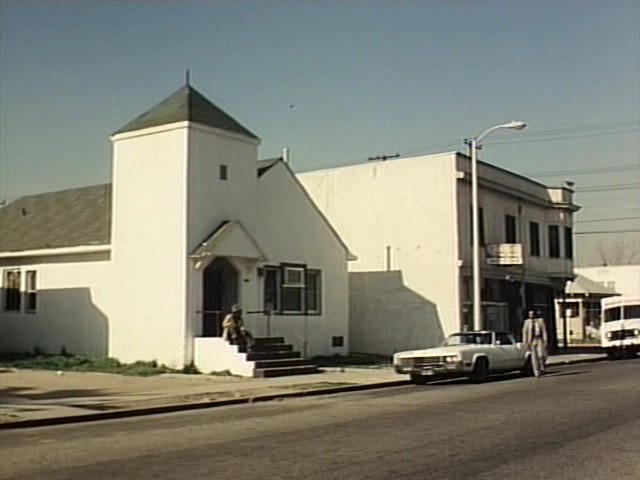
<point x="620" y="330"/>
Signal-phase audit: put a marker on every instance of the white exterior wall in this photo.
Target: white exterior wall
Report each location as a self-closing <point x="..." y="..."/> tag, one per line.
<point x="290" y="229"/>
<point x="211" y="201"/>
<point x="149" y="239"/>
<point x="624" y="279"/>
<point x="408" y="205"/>
<point x="74" y="303"/>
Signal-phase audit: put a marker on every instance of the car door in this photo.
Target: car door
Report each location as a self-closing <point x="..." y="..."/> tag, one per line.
<point x="507" y="351"/>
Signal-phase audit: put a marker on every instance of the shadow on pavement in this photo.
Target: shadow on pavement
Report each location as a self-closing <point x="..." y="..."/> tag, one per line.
<point x="7" y="393"/>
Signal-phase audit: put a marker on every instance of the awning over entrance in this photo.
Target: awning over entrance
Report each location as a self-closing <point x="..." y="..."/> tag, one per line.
<point x="585" y="286"/>
<point x="230" y="239"/>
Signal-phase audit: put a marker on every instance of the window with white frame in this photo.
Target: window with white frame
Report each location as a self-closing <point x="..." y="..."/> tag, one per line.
<point x="292" y="289"/>
<point x="31" y="291"/>
<point x="12" y="281"/>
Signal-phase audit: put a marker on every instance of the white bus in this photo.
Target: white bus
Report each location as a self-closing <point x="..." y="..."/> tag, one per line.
<point x="620" y="329"/>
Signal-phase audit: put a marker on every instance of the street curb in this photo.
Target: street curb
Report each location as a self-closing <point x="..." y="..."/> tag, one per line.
<point x="580" y="360"/>
<point x="139" y="412"/>
<point x="182" y="407"/>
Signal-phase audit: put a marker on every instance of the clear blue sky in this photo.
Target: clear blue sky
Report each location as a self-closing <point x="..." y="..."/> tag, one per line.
<point x="366" y="78"/>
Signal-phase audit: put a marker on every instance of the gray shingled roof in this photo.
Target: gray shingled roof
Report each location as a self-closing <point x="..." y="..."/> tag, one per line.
<point x="186" y="104"/>
<point x="69" y="218"/>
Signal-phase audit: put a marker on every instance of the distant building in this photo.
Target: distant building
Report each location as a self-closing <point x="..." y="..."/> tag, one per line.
<point x="580" y="319"/>
<point x="624" y="279"/>
<point x="408" y="221"/>
<point x="145" y="268"/>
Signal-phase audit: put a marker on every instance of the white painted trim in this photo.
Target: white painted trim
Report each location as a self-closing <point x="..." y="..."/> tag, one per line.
<point x="180" y="125"/>
<point x="149" y="131"/>
<point x="57" y="251"/>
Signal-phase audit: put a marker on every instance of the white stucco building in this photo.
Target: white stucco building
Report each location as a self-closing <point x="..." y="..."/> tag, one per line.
<point x="144" y="268"/>
<point x="408" y="221"/>
<point x="624" y="279"/>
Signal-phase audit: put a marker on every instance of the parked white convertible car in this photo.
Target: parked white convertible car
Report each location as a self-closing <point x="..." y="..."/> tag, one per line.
<point x="469" y="354"/>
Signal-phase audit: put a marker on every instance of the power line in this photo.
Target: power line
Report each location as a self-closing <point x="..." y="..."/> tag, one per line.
<point x="607" y="219"/>
<point x="608" y="188"/>
<point x="587" y="171"/>
<point x="568" y="137"/>
<point x="605" y="232"/>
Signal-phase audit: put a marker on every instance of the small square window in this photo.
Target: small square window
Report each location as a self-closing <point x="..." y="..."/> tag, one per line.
<point x="224" y="172"/>
<point x="337" y="341"/>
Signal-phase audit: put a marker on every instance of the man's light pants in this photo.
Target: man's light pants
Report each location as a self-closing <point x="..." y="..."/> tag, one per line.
<point x="538" y="357"/>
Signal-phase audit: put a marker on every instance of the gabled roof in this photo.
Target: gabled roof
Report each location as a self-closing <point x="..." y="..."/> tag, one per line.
<point x="229" y="239"/>
<point x="68" y="218"/>
<point x="266" y="164"/>
<point x="582" y="285"/>
<point x="186" y="104"/>
<point x="350" y="256"/>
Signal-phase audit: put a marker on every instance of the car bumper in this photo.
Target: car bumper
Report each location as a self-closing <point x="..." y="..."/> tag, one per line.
<point x="440" y="370"/>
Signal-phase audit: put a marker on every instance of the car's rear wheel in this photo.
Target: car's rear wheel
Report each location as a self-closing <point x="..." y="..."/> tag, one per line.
<point x="480" y="371"/>
<point x="418" y="379"/>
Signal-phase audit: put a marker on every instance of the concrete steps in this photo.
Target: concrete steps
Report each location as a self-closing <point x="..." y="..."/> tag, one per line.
<point x="275" y="358"/>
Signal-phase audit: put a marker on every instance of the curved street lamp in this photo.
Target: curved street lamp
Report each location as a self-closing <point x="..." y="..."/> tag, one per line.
<point x="475" y="142"/>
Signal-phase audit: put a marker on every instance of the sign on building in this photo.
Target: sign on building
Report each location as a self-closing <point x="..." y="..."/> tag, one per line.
<point x="504" y="254"/>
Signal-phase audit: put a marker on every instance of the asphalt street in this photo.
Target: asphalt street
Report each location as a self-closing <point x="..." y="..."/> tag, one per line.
<point x="580" y="422"/>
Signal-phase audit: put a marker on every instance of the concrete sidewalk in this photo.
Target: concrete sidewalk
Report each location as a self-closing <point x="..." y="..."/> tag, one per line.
<point x="36" y="397"/>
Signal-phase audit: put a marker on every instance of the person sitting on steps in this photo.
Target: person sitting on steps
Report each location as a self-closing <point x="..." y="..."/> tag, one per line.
<point x="234" y="331"/>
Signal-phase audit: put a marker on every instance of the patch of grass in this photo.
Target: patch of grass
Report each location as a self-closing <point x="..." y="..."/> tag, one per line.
<point x="78" y="363"/>
<point x="222" y="373"/>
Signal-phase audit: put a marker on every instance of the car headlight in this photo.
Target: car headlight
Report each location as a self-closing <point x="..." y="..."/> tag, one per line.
<point x="608" y="335"/>
<point x="452" y="358"/>
<point x="636" y="332"/>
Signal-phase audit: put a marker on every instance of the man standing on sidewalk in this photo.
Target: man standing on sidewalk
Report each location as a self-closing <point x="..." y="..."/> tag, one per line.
<point x="534" y="337"/>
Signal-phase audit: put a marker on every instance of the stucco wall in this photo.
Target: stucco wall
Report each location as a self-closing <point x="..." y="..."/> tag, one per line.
<point x="210" y="199"/>
<point x="74" y="300"/>
<point x="289" y="229"/>
<point x="396" y="216"/>
<point x="149" y="245"/>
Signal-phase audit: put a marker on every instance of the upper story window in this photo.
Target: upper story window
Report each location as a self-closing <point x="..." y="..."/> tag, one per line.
<point x="554" y="241"/>
<point x="534" y="239"/>
<point x="223" y="172"/>
<point x="568" y="242"/>
<point x="12" y="298"/>
<point x="510" y="229"/>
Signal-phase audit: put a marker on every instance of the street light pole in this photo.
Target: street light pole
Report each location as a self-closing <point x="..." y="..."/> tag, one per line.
<point x="475" y="143"/>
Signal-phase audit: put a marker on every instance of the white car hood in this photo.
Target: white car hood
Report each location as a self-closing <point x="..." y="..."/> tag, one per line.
<point x="439" y="351"/>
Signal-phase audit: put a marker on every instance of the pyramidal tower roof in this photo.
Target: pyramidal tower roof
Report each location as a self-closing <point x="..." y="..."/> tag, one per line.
<point x="186" y="105"/>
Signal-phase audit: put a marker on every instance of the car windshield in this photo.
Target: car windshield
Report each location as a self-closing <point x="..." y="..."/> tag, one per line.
<point x="468" y="339"/>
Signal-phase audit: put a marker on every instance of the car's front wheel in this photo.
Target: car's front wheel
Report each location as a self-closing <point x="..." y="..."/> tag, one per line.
<point x="417" y="379"/>
<point x="480" y="371"/>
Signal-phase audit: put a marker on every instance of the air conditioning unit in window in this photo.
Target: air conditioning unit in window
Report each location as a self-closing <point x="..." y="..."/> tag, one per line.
<point x="293" y="277"/>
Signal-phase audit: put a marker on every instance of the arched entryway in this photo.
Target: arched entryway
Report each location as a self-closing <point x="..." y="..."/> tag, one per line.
<point x="219" y="293"/>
